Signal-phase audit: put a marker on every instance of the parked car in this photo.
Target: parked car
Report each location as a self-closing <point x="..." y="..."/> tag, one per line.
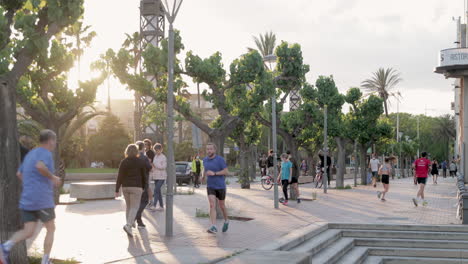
<point x="184" y="172"/>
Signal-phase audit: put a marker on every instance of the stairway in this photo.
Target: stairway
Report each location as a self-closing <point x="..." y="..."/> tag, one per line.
<point x="380" y="243"/>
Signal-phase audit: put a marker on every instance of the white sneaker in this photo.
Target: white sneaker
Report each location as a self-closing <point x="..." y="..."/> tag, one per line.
<point x="160" y="208"/>
<point x="152" y="208"/>
<point x="128" y="230"/>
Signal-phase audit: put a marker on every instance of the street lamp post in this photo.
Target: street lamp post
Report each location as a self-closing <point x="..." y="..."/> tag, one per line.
<point x="272" y="58"/>
<point x="325" y="146"/>
<point x="171" y="13"/>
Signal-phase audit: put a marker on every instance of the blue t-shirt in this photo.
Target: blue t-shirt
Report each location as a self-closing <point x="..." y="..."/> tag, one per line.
<point x="38" y="191"/>
<point x="285" y="170"/>
<point x="215" y="164"/>
<point x="444" y="165"/>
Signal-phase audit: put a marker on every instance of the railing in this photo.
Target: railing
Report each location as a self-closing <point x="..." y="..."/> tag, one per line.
<point x="462" y="195"/>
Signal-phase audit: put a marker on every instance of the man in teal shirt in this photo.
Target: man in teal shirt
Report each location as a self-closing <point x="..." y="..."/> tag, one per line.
<point x="285" y="174"/>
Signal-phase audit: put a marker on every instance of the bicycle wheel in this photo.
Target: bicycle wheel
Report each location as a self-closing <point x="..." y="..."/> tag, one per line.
<point x="319" y="183"/>
<point x="267" y="184"/>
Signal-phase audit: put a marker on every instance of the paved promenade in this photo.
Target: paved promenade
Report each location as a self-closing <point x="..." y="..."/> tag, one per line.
<point x="91" y="232"/>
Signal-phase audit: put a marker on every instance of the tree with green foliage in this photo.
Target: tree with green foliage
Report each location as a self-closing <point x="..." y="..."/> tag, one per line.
<point x="44" y="94"/>
<point x="382" y="82"/>
<point x="109" y="143"/>
<point x="26" y="26"/>
<point x="365" y="124"/>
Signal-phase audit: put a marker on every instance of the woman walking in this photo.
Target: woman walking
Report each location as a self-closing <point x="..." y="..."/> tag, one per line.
<point x="286" y="176"/>
<point x="159" y="175"/>
<point x="434" y="171"/>
<point x="132" y="180"/>
<point x="385" y="172"/>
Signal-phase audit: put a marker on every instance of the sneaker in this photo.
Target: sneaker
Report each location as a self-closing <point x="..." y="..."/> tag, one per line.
<point x="4" y="259"/>
<point x="160" y="209"/>
<point x="379" y="194"/>
<point x="375" y="185"/>
<point x="415" y="202"/>
<point x="212" y="230"/>
<point x="298" y="200"/>
<point x="128" y="230"/>
<point x="424" y="203"/>
<point x="281" y="200"/>
<point x="383" y="200"/>
<point x="225" y="226"/>
<point x="285" y="202"/>
<point x="141" y="226"/>
<point x="153" y="208"/>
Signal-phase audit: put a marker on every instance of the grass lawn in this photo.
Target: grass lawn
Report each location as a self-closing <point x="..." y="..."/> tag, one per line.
<point x="92" y="170"/>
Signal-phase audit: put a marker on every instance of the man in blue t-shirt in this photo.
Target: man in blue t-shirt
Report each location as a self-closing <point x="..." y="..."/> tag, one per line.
<point x="216" y="171"/>
<point x="37" y="197"/>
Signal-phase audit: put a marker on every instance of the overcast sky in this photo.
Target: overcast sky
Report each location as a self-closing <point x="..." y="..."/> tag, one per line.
<point x="348" y="39"/>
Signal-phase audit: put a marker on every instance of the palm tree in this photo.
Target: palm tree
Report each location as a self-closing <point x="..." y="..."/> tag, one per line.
<point x="445" y="131"/>
<point x="382" y="82"/>
<point x="265" y="44"/>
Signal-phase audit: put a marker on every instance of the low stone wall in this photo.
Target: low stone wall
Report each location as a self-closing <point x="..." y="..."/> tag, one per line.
<point x="74" y="177"/>
<point x="92" y="190"/>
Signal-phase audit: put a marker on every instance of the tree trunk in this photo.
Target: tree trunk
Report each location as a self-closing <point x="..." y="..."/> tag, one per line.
<point x="252" y="162"/>
<point x="244" y="164"/>
<point x="10" y="185"/>
<point x="341" y="143"/>
<point x="362" y="161"/>
<point x="386" y="107"/>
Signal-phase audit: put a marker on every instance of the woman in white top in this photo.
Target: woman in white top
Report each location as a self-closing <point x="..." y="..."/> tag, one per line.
<point x="385" y="172"/>
<point x="159" y="175"/>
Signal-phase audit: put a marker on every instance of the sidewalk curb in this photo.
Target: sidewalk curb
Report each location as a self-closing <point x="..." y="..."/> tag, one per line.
<point x="295" y="237"/>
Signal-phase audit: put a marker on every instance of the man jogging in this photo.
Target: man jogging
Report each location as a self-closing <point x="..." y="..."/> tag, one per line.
<point x="37" y="197"/>
<point x="216" y="171"/>
<point x="374" y="166"/>
<point x="421" y="167"/>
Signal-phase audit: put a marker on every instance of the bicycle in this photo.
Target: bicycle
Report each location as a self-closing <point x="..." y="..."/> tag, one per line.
<point x="267" y="182"/>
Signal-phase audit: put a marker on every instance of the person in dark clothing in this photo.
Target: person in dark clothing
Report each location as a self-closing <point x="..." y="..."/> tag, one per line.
<point x="145" y="195"/>
<point x="133" y="180"/>
<point x="295" y="175"/>
<point x="262" y="163"/>
<point x="25" y="146"/>
<point x="270" y="163"/>
<point x="149" y="149"/>
<point x="322" y="163"/>
<point x="197" y="168"/>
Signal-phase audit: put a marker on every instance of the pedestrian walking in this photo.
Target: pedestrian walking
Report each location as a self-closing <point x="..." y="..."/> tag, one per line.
<point x="385" y="171"/>
<point x="263" y="164"/>
<point x="444" y="168"/>
<point x="294" y="176"/>
<point x="322" y="164"/>
<point x="304" y="168"/>
<point x="453" y="168"/>
<point x="132" y="179"/>
<point x="286" y="176"/>
<point x="374" y="164"/>
<point x="421" y="166"/>
<point x="145" y="196"/>
<point x="216" y="171"/>
<point x="37" y="197"/>
<point x="197" y="169"/>
<point x="434" y="171"/>
<point x="150" y="154"/>
<point x="159" y="175"/>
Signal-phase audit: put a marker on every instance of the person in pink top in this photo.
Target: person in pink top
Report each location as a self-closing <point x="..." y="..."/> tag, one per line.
<point x="421" y="167"/>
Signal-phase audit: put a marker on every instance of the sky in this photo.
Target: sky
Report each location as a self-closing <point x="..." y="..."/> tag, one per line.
<point x="348" y="39"/>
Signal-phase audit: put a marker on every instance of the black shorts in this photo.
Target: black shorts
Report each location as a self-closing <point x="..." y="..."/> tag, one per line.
<point x="45" y="215"/>
<point x="422" y="180"/>
<point x="219" y="193"/>
<point x="294" y="180"/>
<point x="385" y="179"/>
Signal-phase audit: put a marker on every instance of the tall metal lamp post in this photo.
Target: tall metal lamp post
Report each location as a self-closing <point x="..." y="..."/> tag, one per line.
<point x="171" y="10"/>
<point x="271" y="59"/>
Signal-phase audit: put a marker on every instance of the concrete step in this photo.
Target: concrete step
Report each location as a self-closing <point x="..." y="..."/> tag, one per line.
<point x="405" y="234"/>
<point x="419" y="253"/>
<point x="355" y="256"/>
<point x="409" y="260"/>
<point x="393" y="227"/>
<point x="334" y="252"/>
<point x="317" y="243"/>
<point x="411" y="243"/>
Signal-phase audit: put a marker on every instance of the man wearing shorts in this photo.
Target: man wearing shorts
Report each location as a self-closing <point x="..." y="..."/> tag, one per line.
<point x="374" y="166"/>
<point x="294" y="176"/>
<point x="37" y="198"/>
<point x="216" y="170"/>
<point x="421" y="167"/>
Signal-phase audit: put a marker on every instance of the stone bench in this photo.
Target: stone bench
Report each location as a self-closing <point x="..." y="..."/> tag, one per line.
<point x="92" y="190"/>
<point x="305" y="179"/>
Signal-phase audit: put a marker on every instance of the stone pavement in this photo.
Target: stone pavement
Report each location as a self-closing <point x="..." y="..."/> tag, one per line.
<point x="91" y="232"/>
